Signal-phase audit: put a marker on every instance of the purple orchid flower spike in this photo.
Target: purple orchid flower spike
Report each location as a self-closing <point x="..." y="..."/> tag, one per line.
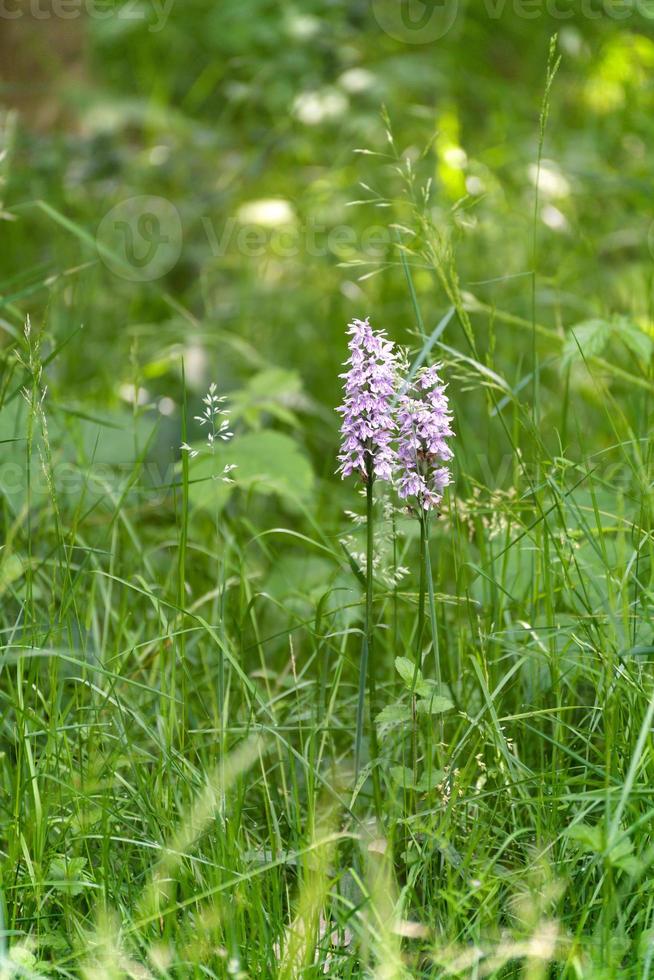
<point x="424" y="423"/>
<point x="368" y="426"/>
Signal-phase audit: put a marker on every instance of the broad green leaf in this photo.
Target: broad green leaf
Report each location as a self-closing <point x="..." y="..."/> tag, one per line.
<point x="621" y="850"/>
<point x="402" y="776"/>
<point x="300" y="578"/>
<point x="430" y="780"/>
<point x="69" y="876"/>
<point x="266" y="462"/>
<point x="435" y="705"/>
<point x="422" y="686"/>
<point x="427" y="688"/>
<point x="589" y="838"/>
<point x="275" y="391"/>
<point x="407" y="671"/>
<point x="630" y="864"/>
<point x="643" y="650"/>
<point x="394" y="714"/>
<point x="638" y="342"/>
<point x="593" y="840"/>
<point x="90" y="451"/>
<point x="586" y="340"/>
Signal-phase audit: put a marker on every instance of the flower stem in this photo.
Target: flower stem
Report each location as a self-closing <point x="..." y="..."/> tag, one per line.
<point x="432" y="604"/>
<point x="421" y="588"/>
<point x="434" y="636"/>
<point x="419" y="639"/>
<point x="366" y="670"/>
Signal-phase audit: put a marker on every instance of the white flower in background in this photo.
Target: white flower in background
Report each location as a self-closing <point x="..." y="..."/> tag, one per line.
<point x="554" y="218"/>
<point x="356" y="80"/>
<point x="133" y="395"/>
<point x="302" y="27"/>
<point x="549" y="178"/>
<point x="313" y="108"/>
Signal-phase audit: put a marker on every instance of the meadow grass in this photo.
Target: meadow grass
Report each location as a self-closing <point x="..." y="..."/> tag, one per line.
<point x="178" y="793"/>
<point x="180" y="658"/>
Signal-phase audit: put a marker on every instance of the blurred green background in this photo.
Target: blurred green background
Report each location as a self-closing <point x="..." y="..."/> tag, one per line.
<point x="198" y="164"/>
<point x="226" y="104"/>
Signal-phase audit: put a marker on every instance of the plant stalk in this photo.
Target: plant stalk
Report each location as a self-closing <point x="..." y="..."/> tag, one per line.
<point x="419" y="639"/>
<point x="366" y="670"/>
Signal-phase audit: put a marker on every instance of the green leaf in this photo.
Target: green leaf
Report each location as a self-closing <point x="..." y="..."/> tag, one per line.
<point x="68" y="876"/>
<point x="393" y="714"/>
<point x="424" y="687"/>
<point x="589" y="838"/>
<point x="275" y="391"/>
<point x="407" y="671"/>
<point x="430" y="781"/>
<point x="593" y="840"/>
<point x="402" y="776"/>
<point x="266" y="462"/>
<point x="590" y="337"/>
<point x="586" y="340"/>
<point x="621" y="850"/>
<point x="427" y="688"/>
<point x="22" y="958"/>
<point x="434" y="705"/>
<point x="11" y="569"/>
<point x="638" y="342"/>
<point x="53" y="940"/>
<point x="631" y="865"/>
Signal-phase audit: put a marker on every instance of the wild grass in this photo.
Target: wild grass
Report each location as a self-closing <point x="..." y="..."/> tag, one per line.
<point x="177" y="781"/>
<point x="180" y="660"/>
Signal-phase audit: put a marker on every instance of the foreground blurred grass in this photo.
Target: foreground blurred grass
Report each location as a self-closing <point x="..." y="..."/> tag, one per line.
<point x="179" y="658"/>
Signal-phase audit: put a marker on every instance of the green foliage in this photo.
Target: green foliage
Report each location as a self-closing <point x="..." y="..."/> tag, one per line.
<point x="273" y="393"/>
<point x="432" y="700"/>
<point x="179" y="656"/>
<point x="591" y="338"/>
<point x="266" y="462"/>
<point x="586" y="339"/>
<point x="592" y="839"/>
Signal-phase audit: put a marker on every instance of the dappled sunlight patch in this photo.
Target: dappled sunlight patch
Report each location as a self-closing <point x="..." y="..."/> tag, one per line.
<point x="625" y="64"/>
<point x="267" y="212"/>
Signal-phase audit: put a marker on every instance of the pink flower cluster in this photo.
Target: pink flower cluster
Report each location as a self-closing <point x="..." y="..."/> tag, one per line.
<point x="424" y="423"/>
<point x="368" y="419"/>
<point x="390" y="430"/>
